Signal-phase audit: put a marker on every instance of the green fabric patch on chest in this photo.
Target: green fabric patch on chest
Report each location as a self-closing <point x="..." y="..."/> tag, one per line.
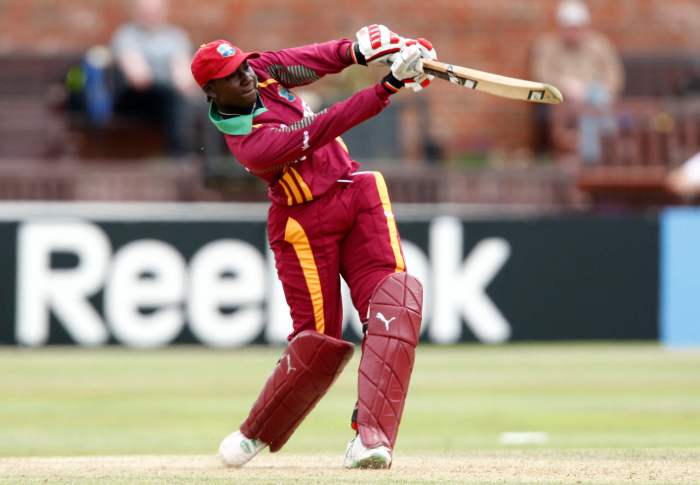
<point x="236" y="125"/>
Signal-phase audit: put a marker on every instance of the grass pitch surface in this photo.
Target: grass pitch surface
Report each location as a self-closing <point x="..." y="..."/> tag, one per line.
<point x="613" y="414"/>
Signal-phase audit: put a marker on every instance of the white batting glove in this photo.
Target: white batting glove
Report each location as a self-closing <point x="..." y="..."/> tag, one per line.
<point x="427" y="52"/>
<point x="407" y="64"/>
<point x="375" y="44"/>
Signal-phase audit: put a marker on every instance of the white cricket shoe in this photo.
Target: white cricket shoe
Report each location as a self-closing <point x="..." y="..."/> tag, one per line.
<point x="358" y="456"/>
<point x="237" y="450"/>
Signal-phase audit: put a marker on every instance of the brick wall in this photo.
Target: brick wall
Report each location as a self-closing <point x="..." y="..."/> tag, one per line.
<point x="491" y="35"/>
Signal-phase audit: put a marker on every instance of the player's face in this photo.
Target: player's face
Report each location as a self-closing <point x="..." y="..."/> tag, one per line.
<point x="238" y="90"/>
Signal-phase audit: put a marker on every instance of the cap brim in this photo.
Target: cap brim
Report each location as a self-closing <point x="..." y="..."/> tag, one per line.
<point x="234" y="64"/>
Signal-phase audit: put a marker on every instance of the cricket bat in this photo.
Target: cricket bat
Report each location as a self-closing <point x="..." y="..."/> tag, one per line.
<point x="505" y="87"/>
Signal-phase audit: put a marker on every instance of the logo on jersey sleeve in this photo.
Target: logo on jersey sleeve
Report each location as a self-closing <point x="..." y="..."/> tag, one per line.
<point x="226" y="50"/>
<point x="286" y="94"/>
<point x="307" y="109"/>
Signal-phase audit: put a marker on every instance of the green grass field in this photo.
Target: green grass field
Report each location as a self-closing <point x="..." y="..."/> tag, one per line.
<point x="613" y="414"/>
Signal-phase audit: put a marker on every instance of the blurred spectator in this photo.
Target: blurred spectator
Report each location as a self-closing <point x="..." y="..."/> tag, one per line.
<point x="152" y="57"/>
<point x="92" y="81"/>
<point x="684" y="181"/>
<point x="585" y="66"/>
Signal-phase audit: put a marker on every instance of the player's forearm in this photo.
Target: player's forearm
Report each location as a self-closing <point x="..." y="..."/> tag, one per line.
<point x="346" y="114"/>
<point x="299" y="66"/>
<point x="270" y="146"/>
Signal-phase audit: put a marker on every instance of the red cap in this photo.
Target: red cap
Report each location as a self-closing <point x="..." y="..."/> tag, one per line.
<point x="217" y="59"/>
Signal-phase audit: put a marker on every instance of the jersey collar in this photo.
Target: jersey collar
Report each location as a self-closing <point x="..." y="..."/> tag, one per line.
<point x="236" y="125"/>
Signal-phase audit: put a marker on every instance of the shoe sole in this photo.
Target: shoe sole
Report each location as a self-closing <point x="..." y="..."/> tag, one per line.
<point x="373" y="462"/>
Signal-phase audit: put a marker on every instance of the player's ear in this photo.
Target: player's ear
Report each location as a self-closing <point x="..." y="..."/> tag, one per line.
<point x="210" y="91"/>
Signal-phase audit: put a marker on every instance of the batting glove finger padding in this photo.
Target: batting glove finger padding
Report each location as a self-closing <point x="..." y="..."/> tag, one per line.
<point x="388" y="353"/>
<point x="304" y="373"/>
<point x="376" y="43"/>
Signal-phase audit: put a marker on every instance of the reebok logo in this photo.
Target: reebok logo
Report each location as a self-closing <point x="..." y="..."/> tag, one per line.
<point x="383" y="319"/>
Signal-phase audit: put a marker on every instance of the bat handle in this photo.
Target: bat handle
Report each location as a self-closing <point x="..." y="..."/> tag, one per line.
<point x="430" y="64"/>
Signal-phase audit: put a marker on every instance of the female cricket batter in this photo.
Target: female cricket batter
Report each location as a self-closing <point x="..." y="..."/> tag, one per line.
<point x="327" y="220"/>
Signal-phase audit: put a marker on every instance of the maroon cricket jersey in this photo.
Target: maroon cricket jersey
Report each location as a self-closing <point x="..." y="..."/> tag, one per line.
<point x="297" y="152"/>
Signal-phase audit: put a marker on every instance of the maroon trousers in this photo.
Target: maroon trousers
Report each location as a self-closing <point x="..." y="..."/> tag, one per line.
<point x="349" y="231"/>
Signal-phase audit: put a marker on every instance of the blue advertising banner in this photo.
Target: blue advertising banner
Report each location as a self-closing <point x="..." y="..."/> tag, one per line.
<point x="680" y="277"/>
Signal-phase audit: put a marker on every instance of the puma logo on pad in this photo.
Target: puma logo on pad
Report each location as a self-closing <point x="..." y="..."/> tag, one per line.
<point x="386" y="322"/>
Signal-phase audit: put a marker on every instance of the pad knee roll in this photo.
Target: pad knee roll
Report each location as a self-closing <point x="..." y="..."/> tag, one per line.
<point x="305" y="372"/>
<point x="388" y="354"/>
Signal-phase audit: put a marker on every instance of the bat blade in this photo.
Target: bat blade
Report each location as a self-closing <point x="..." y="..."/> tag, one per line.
<point x="495" y="84"/>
